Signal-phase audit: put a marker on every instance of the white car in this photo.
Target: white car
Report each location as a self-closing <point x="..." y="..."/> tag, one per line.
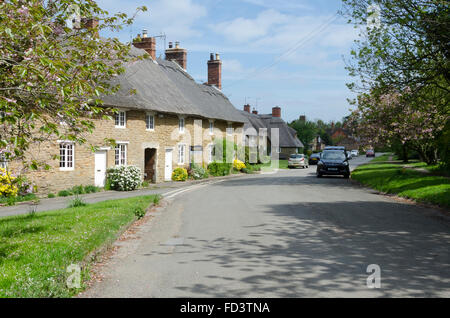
<point x="297" y="160"/>
<point x="355" y="153"/>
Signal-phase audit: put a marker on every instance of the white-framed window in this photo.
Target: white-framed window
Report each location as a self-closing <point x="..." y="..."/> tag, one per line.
<point x="150" y="122"/>
<point x="181" y="154"/>
<point x="181" y="124"/>
<point x="211" y="127"/>
<point x="121" y="119"/>
<point x="66" y="156"/>
<point x="121" y="155"/>
<point x="3" y="162"/>
<point x="211" y="153"/>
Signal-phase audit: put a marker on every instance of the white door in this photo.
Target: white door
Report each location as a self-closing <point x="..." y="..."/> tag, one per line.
<point x="168" y="165"/>
<point x="100" y="168"/>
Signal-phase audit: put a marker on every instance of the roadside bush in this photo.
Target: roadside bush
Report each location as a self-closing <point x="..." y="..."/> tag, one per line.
<point x="124" y="178"/>
<point x="78" y="189"/>
<point x="8" y="188"/>
<point x="217" y="169"/>
<point x="179" y="174"/>
<point x="51" y="195"/>
<point x="197" y="172"/>
<point x="145" y="184"/>
<point x="64" y="193"/>
<point x="238" y="165"/>
<point x="91" y="189"/>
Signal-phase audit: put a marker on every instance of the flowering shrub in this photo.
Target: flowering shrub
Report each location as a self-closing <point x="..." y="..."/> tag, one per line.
<point x="238" y="165"/>
<point x="197" y="172"/>
<point x="24" y="186"/>
<point x="7" y="186"/>
<point x="179" y="174"/>
<point x="124" y="178"/>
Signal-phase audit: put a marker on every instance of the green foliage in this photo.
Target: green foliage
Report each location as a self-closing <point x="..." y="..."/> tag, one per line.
<point x="51" y="195"/>
<point x="64" y="193"/>
<point x="36" y="251"/>
<point x="78" y="190"/>
<point x="139" y="212"/>
<point x="218" y="169"/>
<point x="145" y="184"/>
<point x="77" y="202"/>
<point x="179" y="174"/>
<point x="156" y="199"/>
<point x="50" y="73"/>
<point x="91" y="189"/>
<point x="393" y="178"/>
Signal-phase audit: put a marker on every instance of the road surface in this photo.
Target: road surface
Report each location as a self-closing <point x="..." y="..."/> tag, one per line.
<point x="287" y="234"/>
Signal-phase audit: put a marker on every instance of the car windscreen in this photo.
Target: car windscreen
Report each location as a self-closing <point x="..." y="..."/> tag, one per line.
<point x="333" y="155"/>
<point x="296" y="156"/>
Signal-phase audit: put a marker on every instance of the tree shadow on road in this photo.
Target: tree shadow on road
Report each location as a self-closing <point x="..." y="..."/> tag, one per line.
<point x="312" y="249"/>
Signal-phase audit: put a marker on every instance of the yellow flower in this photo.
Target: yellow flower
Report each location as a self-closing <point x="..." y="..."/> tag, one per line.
<point x="238" y="165"/>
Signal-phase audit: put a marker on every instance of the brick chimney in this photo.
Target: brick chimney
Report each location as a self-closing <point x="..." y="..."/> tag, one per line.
<point x="302" y="118"/>
<point x="177" y="54"/>
<point x="247" y="108"/>
<point x="276" y="112"/>
<point x="255" y="111"/>
<point x="89" y="23"/>
<point x="146" y="43"/>
<point x="215" y="71"/>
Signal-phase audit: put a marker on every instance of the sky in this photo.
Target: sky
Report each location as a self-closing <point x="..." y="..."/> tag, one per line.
<point x="286" y="53"/>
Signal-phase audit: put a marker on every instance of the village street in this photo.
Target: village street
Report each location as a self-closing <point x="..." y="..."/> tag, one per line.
<point x="287" y="234"/>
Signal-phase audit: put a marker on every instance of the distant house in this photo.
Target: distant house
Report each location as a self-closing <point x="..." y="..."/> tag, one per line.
<point x="288" y="140"/>
<point x="154" y="128"/>
<point x="342" y="137"/>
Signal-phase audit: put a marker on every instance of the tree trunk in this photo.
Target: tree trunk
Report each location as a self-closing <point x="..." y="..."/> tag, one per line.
<point x="405" y="153"/>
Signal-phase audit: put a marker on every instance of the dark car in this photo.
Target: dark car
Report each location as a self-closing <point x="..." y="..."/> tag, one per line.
<point x="333" y="162"/>
<point x="314" y="159"/>
<point x="370" y="153"/>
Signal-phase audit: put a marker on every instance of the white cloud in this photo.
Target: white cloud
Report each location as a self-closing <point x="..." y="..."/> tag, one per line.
<point x="243" y="30"/>
<point x="176" y="18"/>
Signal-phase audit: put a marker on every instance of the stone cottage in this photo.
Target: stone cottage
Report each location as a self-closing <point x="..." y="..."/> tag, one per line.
<point x="288" y="142"/>
<point x="154" y="128"/>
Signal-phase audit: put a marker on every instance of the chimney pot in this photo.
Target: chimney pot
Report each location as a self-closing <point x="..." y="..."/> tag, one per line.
<point x="177" y="45"/>
<point x="170" y="45"/>
<point x="211" y="57"/>
<point x="217" y="57"/>
<point x="255" y="111"/>
<point x="144" y="33"/>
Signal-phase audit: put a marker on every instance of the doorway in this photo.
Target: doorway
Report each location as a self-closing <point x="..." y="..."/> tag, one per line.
<point x="150" y="165"/>
<point x="100" y="168"/>
<point x="168" y="164"/>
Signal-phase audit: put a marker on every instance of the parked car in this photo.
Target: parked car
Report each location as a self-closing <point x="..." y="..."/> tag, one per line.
<point x="314" y="159"/>
<point x="355" y="153"/>
<point x="298" y="160"/>
<point x="333" y="162"/>
<point x="370" y="153"/>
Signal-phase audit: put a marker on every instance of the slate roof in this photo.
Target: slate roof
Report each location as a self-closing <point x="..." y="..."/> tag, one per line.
<point x="163" y="86"/>
<point x="287" y="134"/>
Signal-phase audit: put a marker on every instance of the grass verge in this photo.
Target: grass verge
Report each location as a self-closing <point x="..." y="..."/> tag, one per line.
<point x="393" y="178"/>
<point x="36" y="249"/>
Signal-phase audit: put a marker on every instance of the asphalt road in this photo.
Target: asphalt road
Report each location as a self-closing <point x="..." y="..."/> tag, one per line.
<point x="287" y="234"/>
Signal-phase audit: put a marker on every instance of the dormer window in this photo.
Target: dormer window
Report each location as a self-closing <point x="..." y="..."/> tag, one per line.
<point x="150" y="122"/>
<point x="121" y="119"/>
<point x="181" y="124"/>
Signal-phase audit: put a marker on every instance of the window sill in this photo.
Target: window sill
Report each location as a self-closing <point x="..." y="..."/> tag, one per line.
<point x="66" y="169"/>
<point x="150" y="130"/>
<point x="120" y="127"/>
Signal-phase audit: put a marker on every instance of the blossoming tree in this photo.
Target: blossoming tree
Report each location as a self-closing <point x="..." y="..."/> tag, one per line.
<point x="54" y="68"/>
